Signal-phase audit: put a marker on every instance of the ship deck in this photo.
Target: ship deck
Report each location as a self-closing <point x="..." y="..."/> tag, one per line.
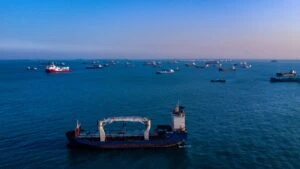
<point x="123" y="138"/>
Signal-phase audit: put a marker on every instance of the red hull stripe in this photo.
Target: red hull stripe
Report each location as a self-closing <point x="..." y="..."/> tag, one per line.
<point x="55" y="71"/>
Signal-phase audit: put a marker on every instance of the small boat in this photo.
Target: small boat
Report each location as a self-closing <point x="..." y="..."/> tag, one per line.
<point x="52" y="68"/>
<point x="165" y="71"/>
<point x="94" y="66"/>
<point x="218" y="81"/>
<point x="174" y="135"/>
<point x="292" y="73"/>
<point x="284" y="79"/>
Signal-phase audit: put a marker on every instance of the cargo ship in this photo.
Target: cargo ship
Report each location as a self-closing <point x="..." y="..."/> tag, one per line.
<point x="52" y="68"/>
<point x="290" y="76"/>
<point x="174" y="135"/>
<point x="291" y="73"/>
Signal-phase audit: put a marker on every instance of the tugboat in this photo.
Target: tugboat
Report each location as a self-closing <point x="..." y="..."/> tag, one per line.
<point x="164" y="135"/>
<point x="52" y="68"/>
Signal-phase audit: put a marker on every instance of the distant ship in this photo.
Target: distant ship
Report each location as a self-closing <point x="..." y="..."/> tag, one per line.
<point x="245" y="65"/>
<point x="221" y="69"/>
<point x="165" y="71"/>
<point x="202" y="67"/>
<point x="94" y="66"/>
<point x="152" y="63"/>
<point x="164" y="135"/>
<point x="52" y="68"/>
<point x="286" y="77"/>
<point x="193" y="64"/>
<point x="291" y="73"/>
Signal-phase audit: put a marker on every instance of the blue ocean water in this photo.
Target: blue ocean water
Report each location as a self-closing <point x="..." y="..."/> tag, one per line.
<point x="246" y="123"/>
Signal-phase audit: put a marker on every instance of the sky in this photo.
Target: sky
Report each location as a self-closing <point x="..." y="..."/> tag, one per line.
<point x="140" y="29"/>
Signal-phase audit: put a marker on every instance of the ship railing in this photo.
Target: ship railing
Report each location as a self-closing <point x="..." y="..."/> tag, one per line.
<point x="85" y="135"/>
<point x="113" y="133"/>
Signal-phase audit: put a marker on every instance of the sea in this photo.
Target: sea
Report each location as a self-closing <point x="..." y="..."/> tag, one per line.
<point x="247" y="122"/>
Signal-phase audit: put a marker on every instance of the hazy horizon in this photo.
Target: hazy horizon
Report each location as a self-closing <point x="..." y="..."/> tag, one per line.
<point x="116" y="29"/>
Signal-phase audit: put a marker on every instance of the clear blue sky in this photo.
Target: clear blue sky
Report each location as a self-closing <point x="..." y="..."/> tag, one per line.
<point x="150" y="29"/>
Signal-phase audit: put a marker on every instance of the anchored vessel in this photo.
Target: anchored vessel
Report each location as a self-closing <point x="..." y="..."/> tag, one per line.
<point x="52" y="68"/>
<point x="165" y="71"/>
<point x="94" y="66"/>
<point x="164" y="135"/>
<point x="292" y="73"/>
<point x="286" y="77"/>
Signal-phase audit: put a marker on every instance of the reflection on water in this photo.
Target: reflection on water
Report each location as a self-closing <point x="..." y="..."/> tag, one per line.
<point x="135" y="158"/>
<point x="246" y="123"/>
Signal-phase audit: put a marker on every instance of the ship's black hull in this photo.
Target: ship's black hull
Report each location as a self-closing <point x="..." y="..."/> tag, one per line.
<point x="172" y="140"/>
<point x="273" y="79"/>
